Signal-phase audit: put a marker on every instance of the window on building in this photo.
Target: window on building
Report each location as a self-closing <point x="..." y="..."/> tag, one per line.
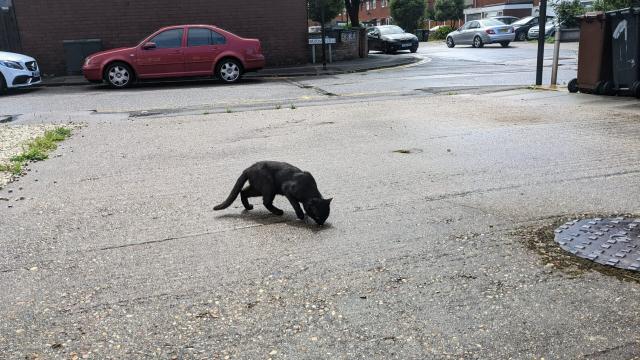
<point x="373" y="3"/>
<point x="169" y="39"/>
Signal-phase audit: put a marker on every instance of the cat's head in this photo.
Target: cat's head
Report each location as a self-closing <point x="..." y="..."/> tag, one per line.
<point x="318" y="209"/>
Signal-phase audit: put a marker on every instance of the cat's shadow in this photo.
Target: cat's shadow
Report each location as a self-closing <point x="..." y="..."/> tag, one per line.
<point x="266" y="218"/>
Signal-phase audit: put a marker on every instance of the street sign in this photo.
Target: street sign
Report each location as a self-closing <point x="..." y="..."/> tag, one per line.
<point x="327" y="40"/>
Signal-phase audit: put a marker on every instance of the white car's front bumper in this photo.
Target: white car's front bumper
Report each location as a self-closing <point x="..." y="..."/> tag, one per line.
<point x="28" y="76"/>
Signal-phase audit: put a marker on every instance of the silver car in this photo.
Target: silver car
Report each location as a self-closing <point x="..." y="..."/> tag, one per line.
<point x="549" y="30"/>
<point x="477" y="33"/>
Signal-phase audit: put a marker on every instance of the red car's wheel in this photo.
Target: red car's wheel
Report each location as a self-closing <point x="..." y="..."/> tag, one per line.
<point x="229" y="70"/>
<point x="119" y="75"/>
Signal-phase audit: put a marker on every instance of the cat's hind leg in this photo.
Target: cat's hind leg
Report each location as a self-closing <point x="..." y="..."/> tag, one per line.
<point x="268" y="203"/>
<point x="246" y="194"/>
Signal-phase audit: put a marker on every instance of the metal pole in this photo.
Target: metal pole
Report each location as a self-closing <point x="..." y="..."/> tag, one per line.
<point x="556" y="57"/>
<point x="541" y="31"/>
<point x="324" y="45"/>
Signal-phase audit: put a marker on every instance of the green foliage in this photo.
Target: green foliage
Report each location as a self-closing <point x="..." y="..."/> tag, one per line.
<point x="448" y="10"/>
<point x="331" y="9"/>
<point x="567" y="10"/>
<point x="609" y="5"/>
<point x="441" y="33"/>
<point x="407" y="13"/>
<point x="37" y="149"/>
<point x="15" y="168"/>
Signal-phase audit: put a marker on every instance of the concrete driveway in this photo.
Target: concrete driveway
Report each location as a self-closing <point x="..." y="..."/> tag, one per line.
<point x="433" y="251"/>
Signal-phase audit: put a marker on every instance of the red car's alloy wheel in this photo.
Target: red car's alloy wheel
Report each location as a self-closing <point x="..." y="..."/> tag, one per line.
<point x="229" y="71"/>
<point x="119" y="75"/>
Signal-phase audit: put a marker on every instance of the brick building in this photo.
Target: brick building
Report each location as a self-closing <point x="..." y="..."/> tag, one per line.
<point x="377" y="12"/>
<point x="44" y="24"/>
<point x="480" y="9"/>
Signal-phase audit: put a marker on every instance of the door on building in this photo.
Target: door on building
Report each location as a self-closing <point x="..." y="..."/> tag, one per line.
<point x="162" y="55"/>
<point x="203" y="48"/>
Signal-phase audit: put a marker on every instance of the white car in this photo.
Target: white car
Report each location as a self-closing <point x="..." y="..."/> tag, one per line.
<point x="17" y="71"/>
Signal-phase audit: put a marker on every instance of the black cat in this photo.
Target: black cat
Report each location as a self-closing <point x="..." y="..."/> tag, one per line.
<point x="271" y="178"/>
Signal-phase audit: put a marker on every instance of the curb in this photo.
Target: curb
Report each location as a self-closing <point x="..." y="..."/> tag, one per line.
<point x="316" y="72"/>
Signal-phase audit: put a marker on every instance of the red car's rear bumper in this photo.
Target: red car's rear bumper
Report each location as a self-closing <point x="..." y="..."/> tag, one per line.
<point x="254" y="63"/>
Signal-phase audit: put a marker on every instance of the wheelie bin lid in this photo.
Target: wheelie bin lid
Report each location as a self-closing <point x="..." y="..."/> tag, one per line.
<point x="631" y="10"/>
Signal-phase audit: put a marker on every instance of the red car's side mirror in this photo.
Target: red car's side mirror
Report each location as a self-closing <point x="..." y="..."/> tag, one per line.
<point x="149" y="46"/>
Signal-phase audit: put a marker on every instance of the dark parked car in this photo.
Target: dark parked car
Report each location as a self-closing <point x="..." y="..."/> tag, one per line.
<point x="506" y="19"/>
<point x="391" y="38"/>
<point x="523" y="25"/>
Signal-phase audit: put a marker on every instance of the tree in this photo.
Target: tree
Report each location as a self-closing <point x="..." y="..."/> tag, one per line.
<point x="331" y="9"/>
<point x="353" y="10"/>
<point x="448" y="10"/>
<point x="567" y="10"/>
<point x="407" y="13"/>
<point x="608" y="5"/>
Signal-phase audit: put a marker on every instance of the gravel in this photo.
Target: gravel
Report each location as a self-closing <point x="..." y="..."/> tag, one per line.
<point x="12" y="139"/>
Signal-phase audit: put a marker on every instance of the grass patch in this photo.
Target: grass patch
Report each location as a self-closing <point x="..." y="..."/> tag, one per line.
<point x="36" y="150"/>
<point x="14" y="168"/>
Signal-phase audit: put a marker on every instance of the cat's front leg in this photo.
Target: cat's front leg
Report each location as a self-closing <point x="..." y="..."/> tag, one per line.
<point x="296" y="207"/>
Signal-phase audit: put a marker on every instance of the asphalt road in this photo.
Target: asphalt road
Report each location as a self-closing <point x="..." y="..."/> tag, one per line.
<point x="440" y="70"/>
<point x="430" y="252"/>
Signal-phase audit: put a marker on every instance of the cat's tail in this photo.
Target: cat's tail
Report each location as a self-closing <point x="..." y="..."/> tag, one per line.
<point x="234" y="192"/>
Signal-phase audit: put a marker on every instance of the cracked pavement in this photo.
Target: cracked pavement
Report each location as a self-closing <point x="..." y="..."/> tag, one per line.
<point x="115" y="251"/>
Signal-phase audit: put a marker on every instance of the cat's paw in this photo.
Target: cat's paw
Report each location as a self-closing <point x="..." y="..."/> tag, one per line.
<point x="250" y="207"/>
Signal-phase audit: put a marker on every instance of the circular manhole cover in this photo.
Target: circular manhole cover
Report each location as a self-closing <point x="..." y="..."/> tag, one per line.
<point x="612" y="241"/>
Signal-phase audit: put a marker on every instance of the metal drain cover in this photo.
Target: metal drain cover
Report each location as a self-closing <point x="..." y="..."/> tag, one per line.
<point x="612" y="241"/>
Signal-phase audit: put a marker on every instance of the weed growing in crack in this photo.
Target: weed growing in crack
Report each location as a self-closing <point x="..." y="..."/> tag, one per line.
<point x="36" y="150"/>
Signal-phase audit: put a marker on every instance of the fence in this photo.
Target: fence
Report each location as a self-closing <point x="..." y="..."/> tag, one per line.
<point x="9" y="35"/>
<point x="428" y="24"/>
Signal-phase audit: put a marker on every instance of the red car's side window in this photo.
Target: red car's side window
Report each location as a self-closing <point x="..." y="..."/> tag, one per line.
<point x="204" y="37"/>
<point x="169" y="39"/>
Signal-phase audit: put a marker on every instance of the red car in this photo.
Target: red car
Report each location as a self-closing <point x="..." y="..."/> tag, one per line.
<point x="177" y="51"/>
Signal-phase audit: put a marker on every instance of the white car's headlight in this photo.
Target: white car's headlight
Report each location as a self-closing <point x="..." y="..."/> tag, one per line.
<point x="11" y="64"/>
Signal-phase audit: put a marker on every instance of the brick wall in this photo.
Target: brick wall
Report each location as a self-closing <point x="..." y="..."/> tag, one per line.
<point x="347" y="47"/>
<point x="280" y="25"/>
